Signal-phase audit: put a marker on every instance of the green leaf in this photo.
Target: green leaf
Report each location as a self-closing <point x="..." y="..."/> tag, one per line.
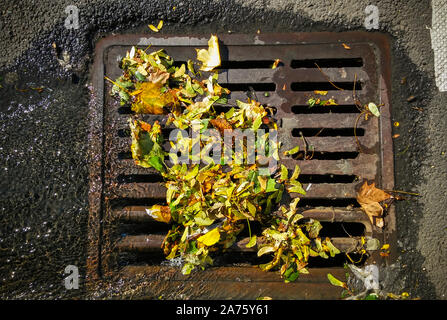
<point x="311" y="102"/>
<point x="257" y="123"/>
<point x="335" y="282"/>
<point x="139" y="76"/>
<point x="271" y="185"/>
<point x="187" y="268"/>
<point x="374" y="109"/>
<point x="284" y="173"/>
<point x="296" y="187"/>
<point x="251" y="208"/>
<point x="292" y="151"/>
<point x="372" y="296"/>
<point x="157" y="163"/>
<point x="293" y="276"/>
<point x="252" y="242"/>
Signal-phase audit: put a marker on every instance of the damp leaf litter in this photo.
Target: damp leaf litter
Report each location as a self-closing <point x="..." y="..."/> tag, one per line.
<point x="211" y="203"/>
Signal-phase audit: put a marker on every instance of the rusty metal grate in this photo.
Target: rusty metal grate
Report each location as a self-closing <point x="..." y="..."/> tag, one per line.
<point x="124" y="240"/>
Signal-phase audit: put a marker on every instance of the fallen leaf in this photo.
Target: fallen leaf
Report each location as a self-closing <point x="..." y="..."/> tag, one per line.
<point x="346" y="46"/>
<point x="369" y="197"/>
<point x="265" y="249"/>
<point x="335" y="282"/>
<point x="221" y="124"/>
<point x="153" y="28"/>
<point x="323" y="93"/>
<point x="160" y="213"/>
<point x="150" y="99"/>
<point x="275" y="63"/>
<point x="252" y="242"/>
<point x="159" y="76"/>
<point x="210" y="238"/>
<point x="292" y="151"/>
<point x="156" y="28"/>
<point x="396" y="136"/>
<point x="210" y="58"/>
<point x="374" y="109"/>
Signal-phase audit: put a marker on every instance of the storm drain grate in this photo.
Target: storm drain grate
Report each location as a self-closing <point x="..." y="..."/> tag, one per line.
<point x="125" y="241"/>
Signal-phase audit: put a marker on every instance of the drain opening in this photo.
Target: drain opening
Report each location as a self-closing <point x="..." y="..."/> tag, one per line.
<point x="327" y="132"/>
<point x="325" y="109"/>
<point x="131" y="178"/>
<point x="246" y="64"/>
<point x="235" y="87"/>
<point x="318" y="155"/>
<point x="327" y="178"/>
<point x="327" y="63"/>
<point x="310" y="86"/>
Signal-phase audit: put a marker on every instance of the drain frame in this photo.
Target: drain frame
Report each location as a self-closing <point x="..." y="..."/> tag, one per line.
<point x="314" y="285"/>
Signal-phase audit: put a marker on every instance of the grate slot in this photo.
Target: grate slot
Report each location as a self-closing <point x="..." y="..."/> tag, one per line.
<point x="327" y="63"/>
<point x="234" y="87"/>
<point x="130" y="178"/>
<point x="327" y="178"/>
<point x="246" y="64"/>
<point x="152" y="243"/>
<point x="305" y="109"/>
<point x="310" y="86"/>
<point x="327" y="132"/>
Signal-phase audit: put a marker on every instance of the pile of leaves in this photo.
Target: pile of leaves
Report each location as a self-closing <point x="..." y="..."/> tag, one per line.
<point x="209" y="202"/>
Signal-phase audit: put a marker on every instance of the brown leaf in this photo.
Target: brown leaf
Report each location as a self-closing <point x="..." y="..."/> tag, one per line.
<point x="221" y="124"/>
<point x="369" y="197"/>
<point x="159" y="76"/>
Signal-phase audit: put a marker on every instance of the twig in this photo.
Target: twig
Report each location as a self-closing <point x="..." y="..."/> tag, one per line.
<point x="355" y="130"/>
<point x="404" y="192"/>
<point x="328" y="78"/>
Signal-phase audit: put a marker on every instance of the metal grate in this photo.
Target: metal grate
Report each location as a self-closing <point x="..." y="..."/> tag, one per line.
<point x="125" y="241"/>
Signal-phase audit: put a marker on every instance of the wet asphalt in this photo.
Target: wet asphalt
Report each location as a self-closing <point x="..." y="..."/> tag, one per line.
<point x="44" y="126"/>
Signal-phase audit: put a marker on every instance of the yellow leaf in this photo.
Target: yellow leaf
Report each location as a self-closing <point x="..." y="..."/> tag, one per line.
<point x="263" y="182"/>
<point x="323" y="93"/>
<point x="150" y="99"/>
<point x="346" y="46"/>
<point x="275" y="63"/>
<point x="153" y="28"/>
<point x="160" y="25"/>
<point x="210" y="58"/>
<point x="160" y="213"/>
<point x="210" y="238"/>
<point x="385" y="247"/>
